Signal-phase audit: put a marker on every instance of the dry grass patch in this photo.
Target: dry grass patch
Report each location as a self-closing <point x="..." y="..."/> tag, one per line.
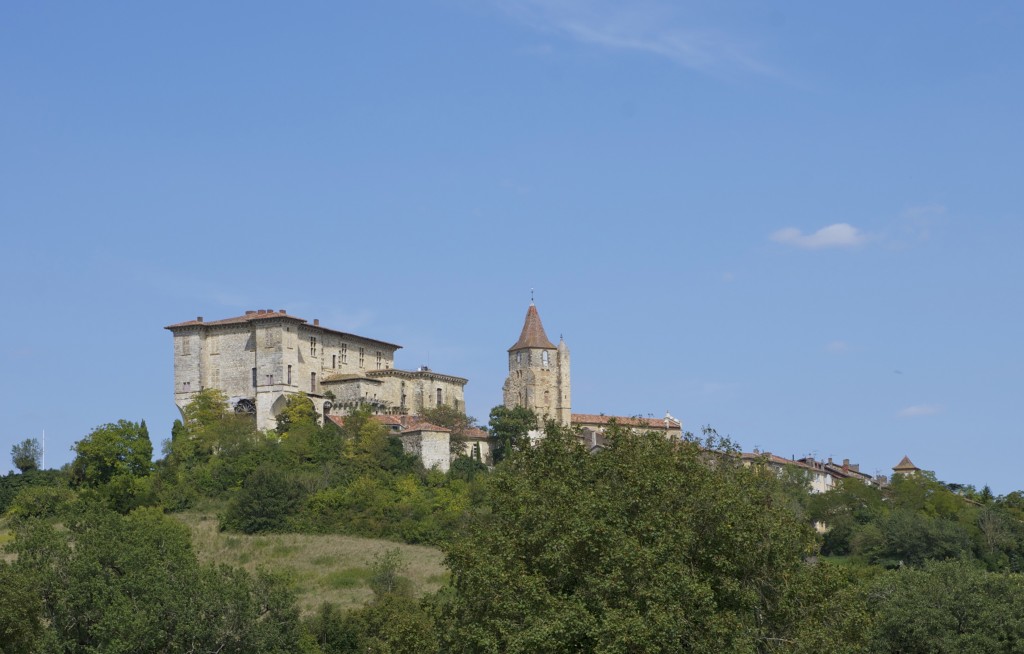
<point x="323" y="568"/>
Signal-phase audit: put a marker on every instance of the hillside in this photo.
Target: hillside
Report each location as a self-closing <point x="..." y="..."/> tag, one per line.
<point x="323" y="568"/>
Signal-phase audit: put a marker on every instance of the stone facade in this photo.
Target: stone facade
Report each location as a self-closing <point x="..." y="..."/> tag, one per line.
<point x="538" y="373"/>
<point x="260" y="358"/>
<point x="396" y="391"/>
<point x="431" y="443"/>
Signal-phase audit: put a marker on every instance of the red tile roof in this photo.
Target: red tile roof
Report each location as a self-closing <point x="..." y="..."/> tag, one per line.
<point x="266" y="314"/>
<point x="649" y="423"/>
<point x="533" y="333"/>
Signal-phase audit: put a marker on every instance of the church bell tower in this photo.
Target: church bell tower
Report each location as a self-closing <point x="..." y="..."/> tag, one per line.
<point x="538" y="373"/>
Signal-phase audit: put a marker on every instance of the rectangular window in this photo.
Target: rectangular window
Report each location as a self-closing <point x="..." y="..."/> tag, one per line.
<point x="254" y="378"/>
<point x="361" y="357"/>
<point x="334" y="360"/>
<point x="270" y="380"/>
<point x="344" y="353"/>
<point x="289" y="375"/>
<point x="312" y="345"/>
<point x="186" y="346"/>
<point x="214" y="344"/>
<point x="380" y="358"/>
<point x="439" y="397"/>
<point x="186" y="386"/>
<point x="312" y="382"/>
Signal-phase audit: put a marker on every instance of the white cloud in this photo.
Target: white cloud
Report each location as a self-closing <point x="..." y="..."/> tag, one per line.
<point x="840" y="235"/>
<point x="919" y="410"/>
<point x="646" y="26"/>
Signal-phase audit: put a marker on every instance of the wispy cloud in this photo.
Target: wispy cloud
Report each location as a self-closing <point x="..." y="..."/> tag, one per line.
<point x="650" y="26"/>
<point x="919" y="410"/>
<point x="840" y="235"/>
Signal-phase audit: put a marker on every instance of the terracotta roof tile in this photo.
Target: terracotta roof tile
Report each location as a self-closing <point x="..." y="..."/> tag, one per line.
<point x="650" y="423"/>
<point x="533" y="333"/>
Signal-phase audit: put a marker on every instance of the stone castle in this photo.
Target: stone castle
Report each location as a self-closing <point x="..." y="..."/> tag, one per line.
<point x="261" y="358"/>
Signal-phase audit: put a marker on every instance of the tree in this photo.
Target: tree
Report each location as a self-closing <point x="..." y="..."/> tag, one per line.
<point x="947" y="606"/>
<point x="266" y="500"/>
<point x="26" y="455"/>
<point x="114" y="462"/>
<point x="298" y="410"/>
<point x="650" y="545"/>
<point x="112" y="583"/>
<point x="509" y="428"/>
<point x="114" y="449"/>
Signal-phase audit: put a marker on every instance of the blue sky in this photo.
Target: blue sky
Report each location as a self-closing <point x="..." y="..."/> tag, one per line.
<point x="800" y="225"/>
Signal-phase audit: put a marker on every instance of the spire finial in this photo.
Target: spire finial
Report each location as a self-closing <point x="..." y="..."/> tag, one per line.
<point x="531" y="296"/>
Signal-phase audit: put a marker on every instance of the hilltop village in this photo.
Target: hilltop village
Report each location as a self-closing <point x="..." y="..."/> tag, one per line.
<point x="263" y="357"/>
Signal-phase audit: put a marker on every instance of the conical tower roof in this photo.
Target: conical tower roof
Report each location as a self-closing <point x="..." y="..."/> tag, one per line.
<point x="905" y="464"/>
<point x="533" y="335"/>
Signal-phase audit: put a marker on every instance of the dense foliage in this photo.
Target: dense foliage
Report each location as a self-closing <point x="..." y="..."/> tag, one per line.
<point x="647" y="545"/>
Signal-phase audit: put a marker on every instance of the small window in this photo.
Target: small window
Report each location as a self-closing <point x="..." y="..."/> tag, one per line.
<point x="186" y="386"/>
<point x="544" y="358"/>
<point x="289" y="375"/>
<point x="312" y="382"/>
<point x="214" y="344"/>
<point x="312" y="345"/>
<point x="362" y="358"/>
<point x="344" y="353"/>
<point x="254" y="378"/>
<point x="439" y="398"/>
<point x="380" y="360"/>
<point x="334" y="360"/>
<point x="186" y="346"/>
<point x="519" y="357"/>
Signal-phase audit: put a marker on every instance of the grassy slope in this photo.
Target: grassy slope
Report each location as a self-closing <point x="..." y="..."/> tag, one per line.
<point x="327" y="568"/>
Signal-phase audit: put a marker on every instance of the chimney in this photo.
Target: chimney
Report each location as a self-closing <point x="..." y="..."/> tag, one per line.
<point x="316" y="322"/>
<point x="199" y="319"/>
<point x="260" y="312"/>
<point x="282" y="311"/>
<point x="249" y="313"/>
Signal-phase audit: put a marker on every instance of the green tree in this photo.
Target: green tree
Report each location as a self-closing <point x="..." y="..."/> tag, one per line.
<point x="266" y="500"/>
<point x="650" y="545"/>
<point x="947" y="607"/>
<point x="26" y="455"/>
<point x="114" y="449"/>
<point x="509" y="428"/>
<point x="119" y="584"/>
<point x="298" y="410"/>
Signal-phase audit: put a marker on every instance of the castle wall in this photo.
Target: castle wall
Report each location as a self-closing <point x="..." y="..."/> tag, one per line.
<point x="433" y="448"/>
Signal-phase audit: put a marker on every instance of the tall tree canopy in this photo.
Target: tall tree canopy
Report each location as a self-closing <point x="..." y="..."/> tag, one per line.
<point x="26" y="455"/>
<point x="647" y="546"/>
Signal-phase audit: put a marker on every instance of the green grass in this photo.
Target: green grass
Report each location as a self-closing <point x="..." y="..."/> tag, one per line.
<point x="6" y="536"/>
<point x="322" y="568"/>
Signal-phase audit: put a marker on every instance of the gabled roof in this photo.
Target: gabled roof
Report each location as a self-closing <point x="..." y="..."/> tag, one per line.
<point x="905" y="464"/>
<point x="533" y="335"/>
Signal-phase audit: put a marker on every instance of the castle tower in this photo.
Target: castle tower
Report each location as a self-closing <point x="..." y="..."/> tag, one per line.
<point x="538" y="373"/>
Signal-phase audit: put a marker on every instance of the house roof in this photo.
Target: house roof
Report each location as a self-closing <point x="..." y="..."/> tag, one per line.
<point x="533" y="335"/>
<point x="270" y="314"/>
<point x="905" y="464"/>
<point x="425" y="426"/>
<point x="649" y="423"/>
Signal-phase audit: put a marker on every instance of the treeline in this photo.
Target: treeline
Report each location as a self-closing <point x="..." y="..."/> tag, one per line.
<point x="648" y="545"/>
